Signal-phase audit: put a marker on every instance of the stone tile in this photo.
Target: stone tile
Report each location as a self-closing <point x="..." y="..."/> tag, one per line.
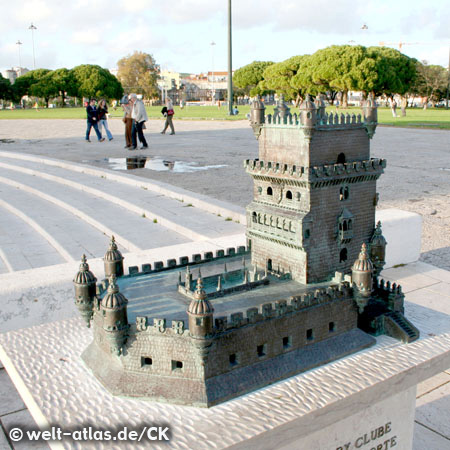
<point x="432" y="383"/>
<point x="4" y="444"/>
<point x="432" y="271"/>
<point x="442" y="289"/>
<point x="11" y="400"/>
<point x="408" y="277"/>
<point x="23" y="420"/>
<point x="425" y="439"/>
<point x="433" y="410"/>
<point x="429" y="299"/>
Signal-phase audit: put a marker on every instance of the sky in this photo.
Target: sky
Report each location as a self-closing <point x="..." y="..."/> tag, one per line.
<point x="179" y="33"/>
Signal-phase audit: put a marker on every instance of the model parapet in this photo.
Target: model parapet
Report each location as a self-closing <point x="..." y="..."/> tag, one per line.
<point x="202" y="330"/>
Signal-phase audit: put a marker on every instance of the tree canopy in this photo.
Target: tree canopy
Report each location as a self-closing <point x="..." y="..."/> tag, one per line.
<point x="431" y="82"/>
<point x="396" y="72"/>
<point x="338" y="68"/>
<point x="278" y="77"/>
<point x="5" y="88"/>
<point x="249" y="76"/>
<point x="139" y="74"/>
<point x="94" y="81"/>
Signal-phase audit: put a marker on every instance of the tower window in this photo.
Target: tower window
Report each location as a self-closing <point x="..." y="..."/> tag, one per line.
<point x="259" y="189"/>
<point x="261" y="350"/>
<point x="233" y="359"/>
<point x="269" y="191"/>
<point x="331" y="327"/>
<point x="307" y="234"/>
<point x="254" y="217"/>
<point x="341" y="158"/>
<point x="343" y="255"/>
<point x="299" y="196"/>
<point x="287" y="342"/>
<point x="177" y="365"/>
<point x="309" y="334"/>
<point x="269" y="264"/>
<point x="289" y="195"/>
<point x="344" y="193"/>
<point x="199" y="321"/>
<point x="146" y="361"/>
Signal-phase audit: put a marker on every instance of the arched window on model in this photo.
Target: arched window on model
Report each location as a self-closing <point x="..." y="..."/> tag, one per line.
<point x="289" y="195"/>
<point x="343" y="255"/>
<point x="254" y="217"/>
<point x="341" y="158"/>
<point x="269" y="191"/>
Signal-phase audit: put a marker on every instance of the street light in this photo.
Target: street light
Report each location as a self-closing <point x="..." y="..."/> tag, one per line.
<point x="18" y="43"/>
<point x="230" y="80"/>
<point x="213" y="96"/>
<point x="32" y="28"/>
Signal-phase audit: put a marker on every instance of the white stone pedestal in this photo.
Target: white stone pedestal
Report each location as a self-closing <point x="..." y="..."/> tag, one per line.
<point x="323" y="409"/>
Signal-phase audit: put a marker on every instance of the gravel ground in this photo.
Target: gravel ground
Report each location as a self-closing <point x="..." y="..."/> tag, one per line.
<point x="417" y="177"/>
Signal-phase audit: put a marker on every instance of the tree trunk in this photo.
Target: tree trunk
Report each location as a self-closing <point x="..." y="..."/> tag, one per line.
<point x="63" y="99"/>
<point x="297" y="101"/>
<point x="345" y="99"/>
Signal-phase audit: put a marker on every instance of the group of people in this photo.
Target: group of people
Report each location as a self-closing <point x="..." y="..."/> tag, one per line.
<point x="97" y="119"/>
<point x="134" y="119"/>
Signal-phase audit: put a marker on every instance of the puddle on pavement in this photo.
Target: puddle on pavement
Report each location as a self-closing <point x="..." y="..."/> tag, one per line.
<point x="6" y="141"/>
<point x="159" y="165"/>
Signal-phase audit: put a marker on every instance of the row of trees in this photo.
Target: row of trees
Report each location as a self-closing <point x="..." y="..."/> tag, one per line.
<point x="340" y="69"/>
<point x="82" y="81"/>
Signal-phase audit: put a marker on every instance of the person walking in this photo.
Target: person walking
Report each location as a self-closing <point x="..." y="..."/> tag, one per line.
<point x="102" y="112"/>
<point x="394" y="108"/>
<point x="168" y="113"/>
<point x="139" y="116"/>
<point x="92" y="121"/>
<point x="128" y="121"/>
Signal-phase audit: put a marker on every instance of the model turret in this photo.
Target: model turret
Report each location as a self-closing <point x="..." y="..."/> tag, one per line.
<point x="320" y="106"/>
<point x="282" y="110"/>
<point x="370" y="114"/>
<point x="362" y="271"/>
<point x="378" y="250"/>
<point x="84" y="282"/>
<point x="200" y="313"/>
<point x="308" y="113"/>
<point x="114" y="312"/>
<point x="113" y="260"/>
<point x="257" y="117"/>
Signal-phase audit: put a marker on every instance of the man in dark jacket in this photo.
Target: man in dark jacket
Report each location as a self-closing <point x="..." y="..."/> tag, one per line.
<point x="92" y="121"/>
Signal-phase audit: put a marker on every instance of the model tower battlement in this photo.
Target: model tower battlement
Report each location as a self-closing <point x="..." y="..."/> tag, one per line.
<point x="305" y="293"/>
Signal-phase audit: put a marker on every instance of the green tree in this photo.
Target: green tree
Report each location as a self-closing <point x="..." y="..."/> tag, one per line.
<point x="5" y="88"/>
<point x="25" y="84"/>
<point x="248" y="77"/>
<point x="64" y="83"/>
<point x="340" y="68"/>
<point x="94" y="81"/>
<point x="431" y="82"/>
<point x="278" y="76"/>
<point x="139" y="74"/>
<point x="396" y="72"/>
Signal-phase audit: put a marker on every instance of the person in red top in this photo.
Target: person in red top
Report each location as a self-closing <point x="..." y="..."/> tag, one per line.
<point x="168" y="113"/>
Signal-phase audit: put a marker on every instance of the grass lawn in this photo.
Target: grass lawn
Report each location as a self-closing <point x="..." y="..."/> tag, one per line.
<point x="431" y="118"/>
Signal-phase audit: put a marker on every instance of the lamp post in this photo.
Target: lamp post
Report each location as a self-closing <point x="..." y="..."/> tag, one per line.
<point x="213" y="96"/>
<point x="32" y="28"/>
<point x="18" y="43"/>
<point x="230" y="80"/>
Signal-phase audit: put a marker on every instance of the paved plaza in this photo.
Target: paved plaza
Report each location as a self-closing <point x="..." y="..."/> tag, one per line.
<point x="61" y="197"/>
